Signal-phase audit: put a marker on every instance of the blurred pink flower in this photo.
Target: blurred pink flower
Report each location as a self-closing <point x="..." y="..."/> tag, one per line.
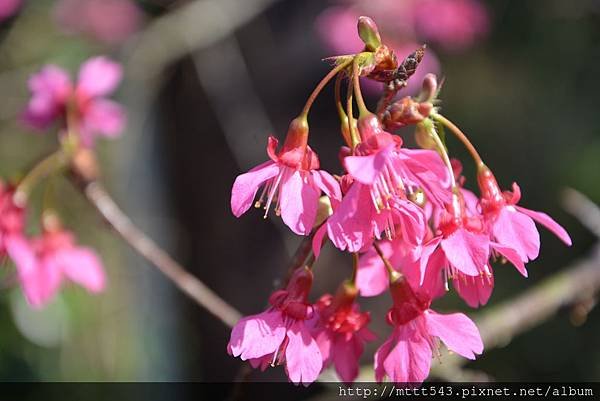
<point x="454" y="24"/>
<point x="12" y="224"/>
<point x="8" y="8"/>
<point x="49" y="259"/>
<point x="109" y="21"/>
<point x="53" y="93"/>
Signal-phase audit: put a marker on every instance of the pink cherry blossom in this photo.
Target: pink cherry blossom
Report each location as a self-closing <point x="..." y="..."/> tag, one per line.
<point x="83" y="107"/>
<point x="384" y="175"/>
<point x="511" y="225"/>
<point x="341" y="331"/>
<point x="109" y="21"/>
<point x="406" y="356"/>
<point x="291" y="179"/>
<point x="52" y="258"/>
<point x="281" y="334"/>
<point x="454" y="24"/>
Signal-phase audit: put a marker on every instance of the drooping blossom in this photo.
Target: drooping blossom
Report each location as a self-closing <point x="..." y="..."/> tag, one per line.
<point x="462" y="249"/>
<point x="291" y="181"/>
<point x="82" y="108"/>
<point x="384" y="176"/>
<point x="51" y="259"/>
<point x="512" y="225"/>
<point x="341" y="331"/>
<point x="282" y="334"/>
<point x="406" y="356"/>
<point x="8" y="8"/>
<point x="108" y="21"/>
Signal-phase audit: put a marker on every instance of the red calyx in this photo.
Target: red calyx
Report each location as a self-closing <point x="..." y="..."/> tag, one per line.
<point x="408" y="304"/>
<point x="339" y="312"/>
<point x="293" y="301"/>
<point x="295" y="152"/>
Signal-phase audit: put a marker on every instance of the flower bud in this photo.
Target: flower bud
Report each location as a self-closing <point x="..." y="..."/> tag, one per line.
<point x="423" y="136"/>
<point x="429" y="88"/>
<point x="406" y="111"/>
<point x="368" y="32"/>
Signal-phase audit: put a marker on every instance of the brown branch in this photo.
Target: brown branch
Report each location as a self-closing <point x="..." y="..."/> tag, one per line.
<point x="146" y="247"/>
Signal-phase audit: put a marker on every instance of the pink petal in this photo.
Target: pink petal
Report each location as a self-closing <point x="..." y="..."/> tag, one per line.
<point x="410" y="360"/>
<point x="40" y="278"/>
<point x="549" y="223"/>
<point x="475" y="291"/>
<point x="517" y="231"/>
<point x="457" y="331"/>
<point x="380" y="356"/>
<point x="82" y="266"/>
<point x="246" y="185"/>
<point x="371" y="276"/>
<point x="412" y="221"/>
<point x="104" y="117"/>
<point x="426" y="253"/>
<point x="50" y="89"/>
<point x="466" y="251"/>
<point x="99" y="76"/>
<point x="302" y="355"/>
<point x="327" y="184"/>
<point x="512" y="256"/>
<point x="257" y="335"/>
<point x="346" y="353"/>
<point x="365" y="169"/>
<point x="318" y="239"/>
<point x="298" y="203"/>
<point x="350" y="226"/>
<point x="22" y="254"/>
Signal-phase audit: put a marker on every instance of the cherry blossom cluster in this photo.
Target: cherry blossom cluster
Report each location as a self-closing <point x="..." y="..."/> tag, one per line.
<point x="81" y="112"/>
<point x="403" y="214"/>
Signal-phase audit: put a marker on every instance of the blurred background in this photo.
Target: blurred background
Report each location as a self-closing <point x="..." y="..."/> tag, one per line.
<point x="206" y="82"/>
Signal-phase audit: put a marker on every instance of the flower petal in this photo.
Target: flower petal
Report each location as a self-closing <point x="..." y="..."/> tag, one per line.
<point x="410" y="360"/>
<point x="298" y="202"/>
<point x="104" y="117"/>
<point x="549" y="223"/>
<point x="512" y="256"/>
<point x="99" y="76"/>
<point x="365" y="169"/>
<point x="245" y="186"/>
<point x="327" y="184"/>
<point x="517" y="231"/>
<point x="457" y="331"/>
<point x="302" y="355"/>
<point x="257" y="335"/>
<point x="82" y="266"/>
<point x="371" y="275"/>
<point x="466" y="251"/>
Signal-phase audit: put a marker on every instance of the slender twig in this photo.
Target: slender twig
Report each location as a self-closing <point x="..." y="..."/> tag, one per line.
<point x="580" y="206"/>
<point x="146" y="247"/>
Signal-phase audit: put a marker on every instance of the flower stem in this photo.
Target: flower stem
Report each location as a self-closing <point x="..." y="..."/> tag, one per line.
<point x="462" y="137"/>
<point x="362" y="107"/>
<point x="443" y="153"/>
<point x="43" y="168"/>
<point x="393" y="273"/>
<point x="353" y="134"/>
<point x="345" y="122"/>
<point x="313" y="96"/>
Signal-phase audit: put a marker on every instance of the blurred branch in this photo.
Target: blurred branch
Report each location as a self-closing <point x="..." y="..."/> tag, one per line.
<point x="580" y="206"/>
<point x="196" y="25"/>
<point x="146" y="247"/>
